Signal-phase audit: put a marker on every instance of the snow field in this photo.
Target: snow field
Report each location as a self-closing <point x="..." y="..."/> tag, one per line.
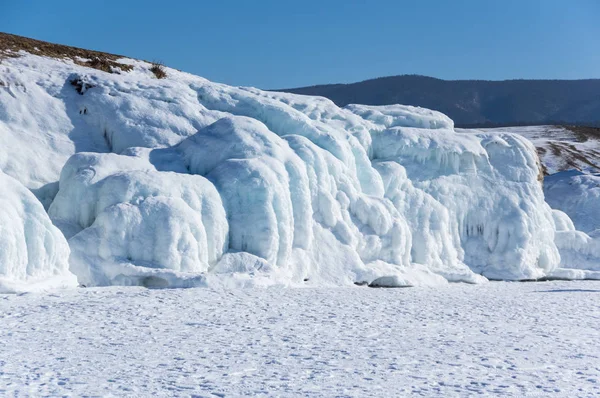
<point x="508" y="339"/>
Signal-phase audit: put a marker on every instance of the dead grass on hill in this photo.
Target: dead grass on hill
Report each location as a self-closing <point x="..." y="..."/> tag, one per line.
<point x="585" y="133"/>
<point x="10" y="45"/>
<point x="158" y="68"/>
<point x="571" y="156"/>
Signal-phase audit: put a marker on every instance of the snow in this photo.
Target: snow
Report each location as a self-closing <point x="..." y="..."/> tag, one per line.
<point x="33" y="253"/>
<point x="124" y="179"/>
<point x="559" y="148"/>
<point x="578" y="195"/>
<point x="574" y="196"/>
<point x="181" y="182"/>
<point x="495" y="244"/>
<point x="403" y="116"/>
<point x="127" y="210"/>
<point x="579" y="252"/>
<point x="509" y="339"/>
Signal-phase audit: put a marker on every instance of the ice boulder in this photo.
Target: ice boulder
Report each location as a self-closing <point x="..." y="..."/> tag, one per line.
<point x="296" y="205"/>
<point x="33" y="253"/>
<point x="126" y="221"/>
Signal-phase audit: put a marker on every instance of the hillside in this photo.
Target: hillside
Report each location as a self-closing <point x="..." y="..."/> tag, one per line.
<point x="477" y="103"/>
<point x="12" y="45"/>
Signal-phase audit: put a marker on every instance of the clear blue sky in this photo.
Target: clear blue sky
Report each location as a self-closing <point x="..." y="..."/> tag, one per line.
<point x="286" y="43"/>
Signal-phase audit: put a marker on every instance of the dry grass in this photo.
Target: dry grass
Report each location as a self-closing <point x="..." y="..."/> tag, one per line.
<point x="11" y="44"/>
<point x="571" y="156"/>
<point x="158" y="68"/>
<point x="585" y="133"/>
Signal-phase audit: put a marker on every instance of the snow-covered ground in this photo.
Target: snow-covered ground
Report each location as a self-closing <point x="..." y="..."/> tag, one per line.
<point x="559" y="148"/>
<point x="578" y="195"/>
<point x="125" y="179"/>
<point x="508" y="339"/>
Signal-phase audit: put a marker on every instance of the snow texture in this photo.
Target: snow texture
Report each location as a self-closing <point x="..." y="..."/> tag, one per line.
<point x="499" y="339"/>
<point x="182" y="182"/>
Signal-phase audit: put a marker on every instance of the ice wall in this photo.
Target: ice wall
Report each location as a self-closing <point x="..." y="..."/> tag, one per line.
<point x="184" y="182"/>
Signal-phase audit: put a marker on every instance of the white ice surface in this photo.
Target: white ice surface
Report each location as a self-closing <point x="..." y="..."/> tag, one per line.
<point x="579" y="252"/>
<point x="578" y="195"/>
<point x="403" y="116"/>
<point x="498" y="339"/>
<point x="174" y="181"/>
<point x="33" y="253"/>
<point x="572" y="189"/>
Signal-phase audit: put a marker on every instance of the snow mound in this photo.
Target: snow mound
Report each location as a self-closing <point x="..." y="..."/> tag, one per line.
<point x="579" y="252"/>
<point x="184" y="182"/>
<point x="575" y="196"/>
<point x="578" y="195"/>
<point x="33" y="253"/>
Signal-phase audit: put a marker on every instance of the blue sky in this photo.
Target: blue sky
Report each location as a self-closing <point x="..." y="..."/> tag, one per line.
<point x="281" y="43"/>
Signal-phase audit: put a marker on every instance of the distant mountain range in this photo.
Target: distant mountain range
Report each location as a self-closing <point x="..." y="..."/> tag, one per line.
<point x="477" y="103"/>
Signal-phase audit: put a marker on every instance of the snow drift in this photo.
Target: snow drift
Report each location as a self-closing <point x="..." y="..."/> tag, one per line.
<point x="185" y="182"/>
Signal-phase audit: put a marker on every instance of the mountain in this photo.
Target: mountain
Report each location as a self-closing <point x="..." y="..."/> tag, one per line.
<point x="477" y="103"/>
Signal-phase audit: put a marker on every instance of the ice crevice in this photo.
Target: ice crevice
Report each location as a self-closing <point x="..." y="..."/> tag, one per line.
<point x="181" y="182"/>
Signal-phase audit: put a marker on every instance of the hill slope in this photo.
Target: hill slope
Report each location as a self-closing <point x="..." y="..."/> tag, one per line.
<point x="476" y="102"/>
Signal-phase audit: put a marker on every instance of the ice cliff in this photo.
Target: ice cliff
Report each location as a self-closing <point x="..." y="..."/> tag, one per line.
<point x="183" y="182"/>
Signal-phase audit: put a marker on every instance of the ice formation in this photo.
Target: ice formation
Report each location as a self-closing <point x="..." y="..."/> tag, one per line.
<point x="33" y="253"/>
<point x="580" y="252"/>
<point x="185" y="182"/>
<point x="578" y="195"/>
<point x="575" y="196"/>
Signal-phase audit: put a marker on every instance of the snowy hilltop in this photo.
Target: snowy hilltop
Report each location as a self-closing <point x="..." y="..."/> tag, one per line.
<point x="112" y="175"/>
